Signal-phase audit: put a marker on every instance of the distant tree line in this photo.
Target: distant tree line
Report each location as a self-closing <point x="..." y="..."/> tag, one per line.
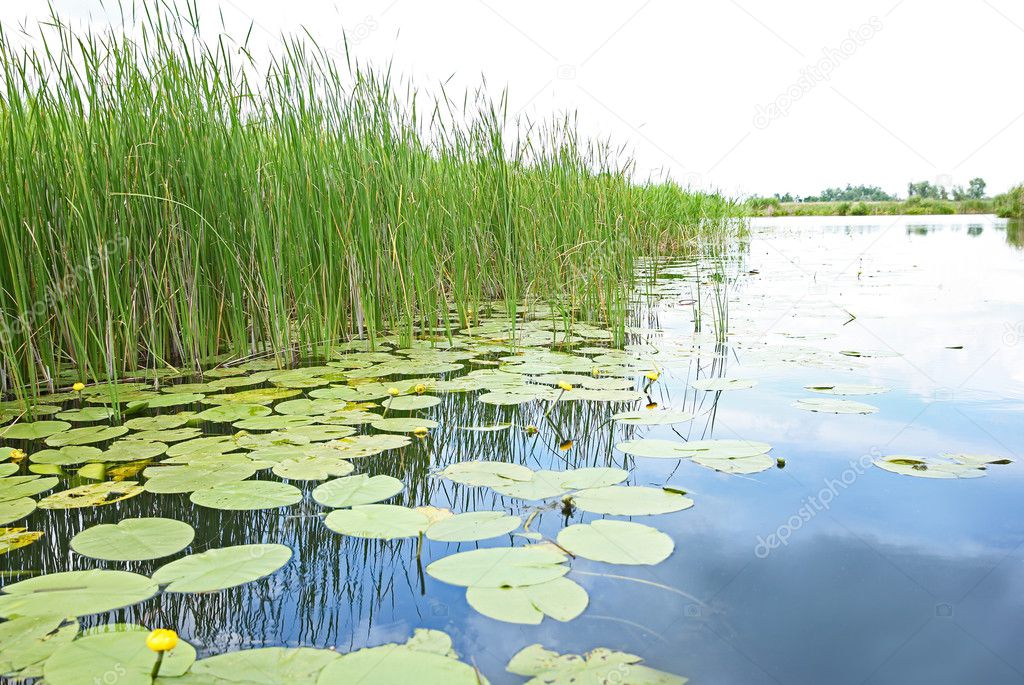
<point x="923" y="189"/>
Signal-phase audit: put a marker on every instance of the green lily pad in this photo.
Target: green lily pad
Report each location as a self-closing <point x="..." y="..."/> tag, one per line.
<point x="647" y="417"/>
<point x="221" y="568"/>
<point x="246" y="495"/>
<point x="356" y="490"/>
<point x="14" y="509"/>
<point x="928" y="467"/>
<point x="229" y="413"/>
<point x="313" y="468"/>
<point x="85" y="435"/>
<point x="26" y="642"/>
<point x="561" y="599"/>
<point x="87" y="415"/>
<point x="651" y="447"/>
<point x="847" y="389"/>
<point x="257" y="396"/>
<point x="196" y="476"/>
<point x="92" y="495"/>
<point x="167" y="400"/>
<point x="382" y="521"/>
<point x="266" y="666"/>
<point x="411" y="402"/>
<point x="310" y="407"/>
<point x="719" y="384"/>
<point x="75" y="593"/>
<point x="747" y="464"/>
<point x="617" y="542"/>
<point x="134" y="539"/>
<point x="212" y="444"/>
<point x="501" y="567"/>
<point x="318" y="433"/>
<point x="472" y="526"/>
<point x="543" y="484"/>
<point x="367" y="445"/>
<point x="633" y="500"/>
<point x="94" y="657"/>
<point x="591" y="477"/>
<point x="486" y="473"/>
<point x="8" y="470"/>
<point x="427" y="654"/>
<point x="724" y="449"/>
<point x="33" y="430"/>
<point x="131" y="450"/>
<point x="397" y="425"/>
<point x="545" y="667"/>
<point x="16" y="538"/>
<point x="273" y="422"/>
<point x="831" y="406"/>
<point x="159" y="423"/>
<point x="16" y="487"/>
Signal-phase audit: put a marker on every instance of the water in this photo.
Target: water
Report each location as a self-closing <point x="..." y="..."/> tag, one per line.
<point x="827" y="570"/>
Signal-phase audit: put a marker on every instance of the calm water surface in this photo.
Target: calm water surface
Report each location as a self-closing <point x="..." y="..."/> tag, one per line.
<point x="827" y="570"/>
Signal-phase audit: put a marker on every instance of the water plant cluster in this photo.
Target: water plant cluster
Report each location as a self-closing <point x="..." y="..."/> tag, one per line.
<point x="167" y="200"/>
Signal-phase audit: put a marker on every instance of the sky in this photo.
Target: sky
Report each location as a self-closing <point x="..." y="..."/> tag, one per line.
<point x="740" y="96"/>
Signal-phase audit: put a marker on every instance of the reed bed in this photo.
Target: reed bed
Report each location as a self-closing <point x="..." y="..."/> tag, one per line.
<point x="164" y="200"/>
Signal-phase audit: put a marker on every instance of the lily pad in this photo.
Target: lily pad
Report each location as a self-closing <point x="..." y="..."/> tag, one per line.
<point x="124" y="653"/>
<point x="501" y="567"/>
<point x="14" y="509"/>
<point x="720" y="384"/>
<point x="592" y="477"/>
<point x="486" y="473"/>
<point x="229" y="413"/>
<point x="831" y="406"/>
<point x="26" y="642"/>
<point x="130" y="450"/>
<point x="724" y="449"/>
<point x="75" y="593"/>
<point x="411" y="402"/>
<point x="159" y="423"/>
<point x="221" y="568"/>
<point x="273" y="422"/>
<point x="382" y="521"/>
<point x="426" y="659"/>
<point x="86" y="435"/>
<point x="87" y="415"/>
<point x="257" y="396"/>
<point x="617" y="542"/>
<point x="166" y="400"/>
<point x="647" y="417"/>
<point x="929" y="467"/>
<point x="543" y="484"/>
<point x="134" y="539"/>
<point x="266" y="666"/>
<point x="92" y="495"/>
<point x="561" y="599"/>
<point x="545" y="667"/>
<point x="16" y="487"/>
<point x="847" y="389"/>
<point x="622" y="500"/>
<point x="247" y="495"/>
<point x="746" y="464"/>
<point x="196" y="476"/>
<point x="356" y="490"/>
<point x="33" y="430"/>
<point x="313" y="467"/>
<point x="651" y="447"/>
<point x="403" y="425"/>
<point x="472" y="526"/>
<point x="15" y="538"/>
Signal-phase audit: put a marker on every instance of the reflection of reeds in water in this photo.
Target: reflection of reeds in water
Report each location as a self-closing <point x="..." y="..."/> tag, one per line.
<point x="165" y="201"/>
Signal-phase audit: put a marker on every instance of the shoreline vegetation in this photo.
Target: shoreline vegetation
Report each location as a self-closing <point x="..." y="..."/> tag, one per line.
<point x="165" y="203"/>
<point x="1009" y="205"/>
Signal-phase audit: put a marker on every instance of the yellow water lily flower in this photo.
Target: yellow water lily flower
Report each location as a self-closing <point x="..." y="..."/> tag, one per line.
<point x="394" y="392"/>
<point x="420" y="431"/>
<point x="78" y="387"/>
<point x="17" y="454"/>
<point x="566" y="446"/>
<point x="565" y="386"/>
<point x="162" y="640"/>
<point x="652" y="405"/>
<point x="531" y="429"/>
<point x="652" y="375"/>
<point x="420" y="388"/>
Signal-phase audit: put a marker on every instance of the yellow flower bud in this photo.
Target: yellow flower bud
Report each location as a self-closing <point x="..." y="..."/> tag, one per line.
<point x="17" y="454"/>
<point x="532" y="430"/>
<point x="652" y="405"/>
<point x="420" y="388"/>
<point x="565" y="386"/>
<point x="420" y="431"/>
<point x="565" y="446"/>
<point x="162" y="640"/>
<point x="78" y="387"/>
<point x="394" y="392"/>
<point x="652" y="375"/>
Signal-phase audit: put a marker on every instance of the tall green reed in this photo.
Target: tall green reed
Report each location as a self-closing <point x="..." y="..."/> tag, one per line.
<point x="163" y="200"/>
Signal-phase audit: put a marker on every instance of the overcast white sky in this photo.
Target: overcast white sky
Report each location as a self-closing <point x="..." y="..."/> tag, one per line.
<point x="731" y="94"/>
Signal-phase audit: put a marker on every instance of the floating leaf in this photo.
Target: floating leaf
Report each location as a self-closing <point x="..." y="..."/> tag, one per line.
<point x="651" y="447"/>
<point x="92" y="495"/>
<point x="33" y="430"/>
<point x="542" y="485"/>
<point x="848" y="389"/>
<point x="597" y="667"/>
<point x="167" y="400"/>
<point x="486" y="473"/>
<point x="591" y="477"/>
<point x="383" y="521"/>
<point x="13" y="538"/>
<point x="313" y="468"/>
<point x="26" y="642"/>
<point x="929" y="467"/>
<point x="647" y="417"/>
<point x="617" y="542"/>
<point x="93" y="658"/>
<point x="501" y="567"/>
<point x="85" y="435"/>
<point x="318" y="433"/>
<point x="367" y="445"/>
<point x="634" y="500"/>
<point x="273" y="422"/>
<point x="196" y="476"/>
<point x="257" y="396"/>
<point x="16" y="487"/>
<point x="213" y="444"/>
<point x="160" y="423"/>
<point x="474" y="525"/>
<point x="426" y="659"/>
<point x="14" y="509"/>
<point x="355" y="490"/>
<point x="720" y="384"/>
<point x="229" y="413"/>
<point x="247" y="495"/>
<point x="411" y="402"/>
<point x="746" y="464"/>
<point x="724" y="449"/>
<point x="221" y="568"/>
<point x="75" y="593"/>
<point x="267" y="666"/>
<point x="397" y="425"/>
<point x="134" y="539"/>
<point x="831" y="406"/>
<point x="561" y="599"/>
<point x="130" y="450"/>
